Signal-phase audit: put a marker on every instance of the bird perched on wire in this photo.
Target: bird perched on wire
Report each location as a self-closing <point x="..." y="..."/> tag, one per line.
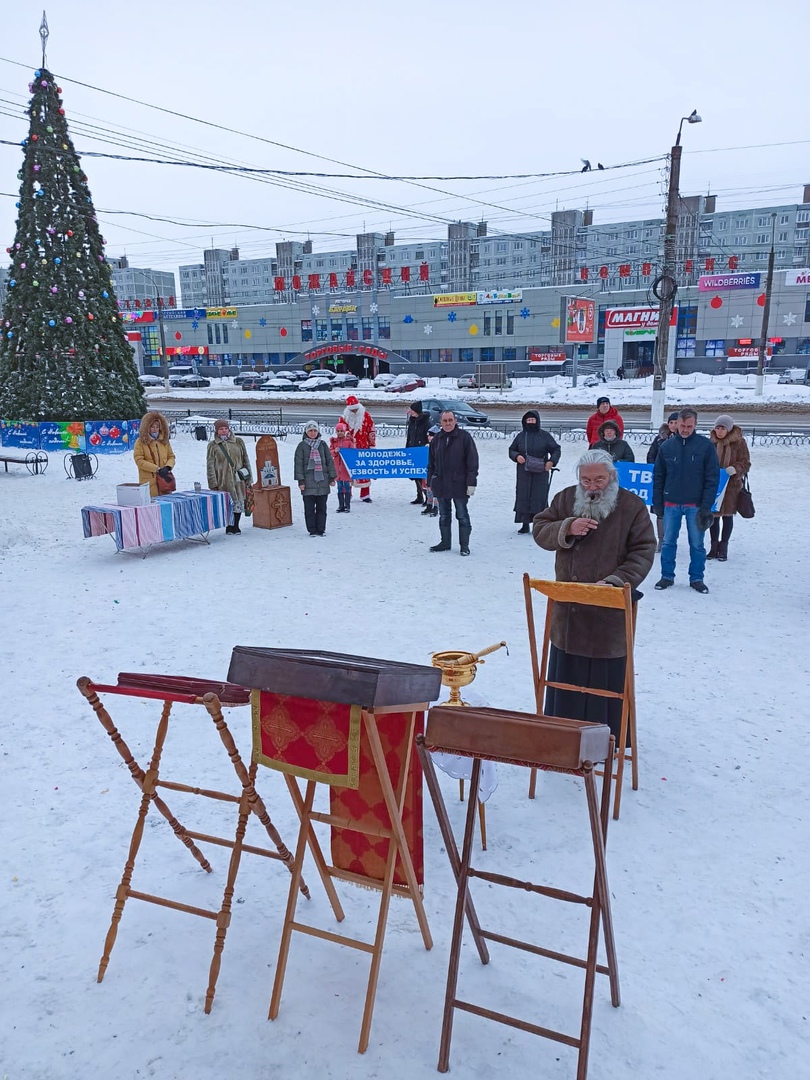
<point x="586" y="165"/>
<point x="600" y="166"/>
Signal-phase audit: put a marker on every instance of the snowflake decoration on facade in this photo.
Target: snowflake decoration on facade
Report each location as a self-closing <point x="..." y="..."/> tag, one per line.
<point x="737" y="321"/>
<point x="789" y="319"/>
<point x="452" y="316"/>
<point x="374" y="308"/>
<point x="524" y="313"/>
<point x="262" y="321"/>
<point x="234" y="323"/>
<point x="194" y="324"/>
<point x="316" y="309"/>
<point x="428" y="328"/>
<point x="408" y="319"/>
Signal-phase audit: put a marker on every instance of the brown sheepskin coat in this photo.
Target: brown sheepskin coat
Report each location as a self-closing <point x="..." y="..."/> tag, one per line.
<point x="621" y="550"/>
<point x="733" y="450"/>
<point x="152" y="454"/>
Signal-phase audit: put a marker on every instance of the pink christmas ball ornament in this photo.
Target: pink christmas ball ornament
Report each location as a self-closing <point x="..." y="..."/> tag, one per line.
<point x="68" y="320"/>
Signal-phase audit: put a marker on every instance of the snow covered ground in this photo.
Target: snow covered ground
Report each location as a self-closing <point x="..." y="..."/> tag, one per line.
<point x="708" y="863"/>
<point x="697" y="389"/>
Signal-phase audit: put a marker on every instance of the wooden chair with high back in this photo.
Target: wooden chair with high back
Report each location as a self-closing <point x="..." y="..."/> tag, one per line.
<point x="602" y="596"/>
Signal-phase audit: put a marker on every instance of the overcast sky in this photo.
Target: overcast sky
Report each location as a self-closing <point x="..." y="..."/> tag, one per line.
<point x="423" y="88"/>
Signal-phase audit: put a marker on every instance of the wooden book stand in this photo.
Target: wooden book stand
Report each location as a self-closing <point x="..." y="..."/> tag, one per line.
<point x="604" y="596"/>
<point x="567" y="746"/>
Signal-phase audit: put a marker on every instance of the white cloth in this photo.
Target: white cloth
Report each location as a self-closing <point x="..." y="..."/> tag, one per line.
<point x="460" y="768"/>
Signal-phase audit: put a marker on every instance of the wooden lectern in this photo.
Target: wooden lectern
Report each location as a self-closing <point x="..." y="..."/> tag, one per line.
<point x="272" y="508"/>
<point x="349" y="722"/>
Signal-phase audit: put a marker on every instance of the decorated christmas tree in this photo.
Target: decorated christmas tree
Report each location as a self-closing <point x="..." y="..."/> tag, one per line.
<point x="63" y="351"/>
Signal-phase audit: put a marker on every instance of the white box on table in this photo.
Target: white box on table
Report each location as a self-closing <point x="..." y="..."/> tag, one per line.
<point x="133" y="495"/>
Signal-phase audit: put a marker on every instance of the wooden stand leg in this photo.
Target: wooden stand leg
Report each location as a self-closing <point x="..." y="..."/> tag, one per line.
<point x="224" y="915"/>
<point x="532" y="783"/>
<point x="482" y="821"/>
<point x="148" y="785"/>
<point x="292" y="900"/>
<point x="212" y="704"/>
<point x="316" y="852"/>
<point x="458" y="922"/>
<point x="446" y="830"/>
<point x="598" y="818"/>
<point x="394" y="804"/>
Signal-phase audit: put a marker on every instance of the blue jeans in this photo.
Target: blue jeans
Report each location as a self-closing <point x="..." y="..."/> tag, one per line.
<point x="446" y="512"/>
<point x="673" y="516"/>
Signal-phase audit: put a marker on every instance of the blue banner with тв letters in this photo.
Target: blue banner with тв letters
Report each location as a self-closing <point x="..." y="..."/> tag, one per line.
<point x="375" y="464"/>
<point x="639" y="480"/>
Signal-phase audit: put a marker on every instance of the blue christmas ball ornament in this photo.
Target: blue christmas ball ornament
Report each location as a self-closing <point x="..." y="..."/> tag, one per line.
<point x="10" y="334"/>
<point x="17" y="205"/>
<point x="57" y="260"/>
<point x="51" y="322"/>
<point x="105" y="294"/>
<point x="12" y="283"/>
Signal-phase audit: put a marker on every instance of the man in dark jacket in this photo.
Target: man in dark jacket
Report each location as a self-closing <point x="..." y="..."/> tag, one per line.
<point x="685" y="486"/>
<point x="602" y="535"/>
<point x="452" y="477"/>
<point x="416" y="435"/>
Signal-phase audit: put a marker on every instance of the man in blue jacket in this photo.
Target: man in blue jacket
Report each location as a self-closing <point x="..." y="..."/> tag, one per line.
<point x="685" y="486"/>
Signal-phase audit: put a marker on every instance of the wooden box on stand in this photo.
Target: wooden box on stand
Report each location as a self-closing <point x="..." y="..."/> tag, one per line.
<point x="272" y="507"/>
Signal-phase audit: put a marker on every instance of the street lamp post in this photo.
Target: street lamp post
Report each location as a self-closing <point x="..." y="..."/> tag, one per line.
<point x="766" y="314"/>
<point x="665" y="286"/>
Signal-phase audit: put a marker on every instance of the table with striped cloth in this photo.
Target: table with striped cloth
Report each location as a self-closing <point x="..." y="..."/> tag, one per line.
<point x="179" y="516"/>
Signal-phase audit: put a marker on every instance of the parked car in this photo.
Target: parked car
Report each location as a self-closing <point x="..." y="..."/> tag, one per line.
<point x="150" y="380"/>
<point x="403" y="384"/>
<point x="465" y="414"/>
<point x="253" y="382"/>
<point x="316" y="382"/>
<point x="189" y="382"/>
<point x="467" y="382"/>
<point x="383" y="379"/>
<point x="293" y="374"/>
<point x="281" y="386"/>
<point x="243" y="375"/>
<point x="345" y="380"/>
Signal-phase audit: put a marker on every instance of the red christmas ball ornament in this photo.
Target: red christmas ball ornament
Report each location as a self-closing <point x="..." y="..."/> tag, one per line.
<point x="61" y="112"/>
<point x="59" y="89"/>
<point x="716" y="302"/>
<point x="178" y="336"/>
<point x="761" y="299"/>
<point x="70" y="232"/>
<point x="34" y="138"/>
<point x="283" y="331"/>
<point x="90" y="316"/>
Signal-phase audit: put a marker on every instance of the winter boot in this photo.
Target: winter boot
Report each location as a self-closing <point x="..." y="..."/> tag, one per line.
<point x="714" y="550"/>
<point x="427" y="511"/>
<point x="524" y="528"/>
<point x="234" y="529"/>
<point x="341" y="502"/>
<point x="659" y="528"/>
<point x="444" y="544"/>
<point x="464" y="539"/>
<point x="348" y="502"/>
<point x="418" y="500"/>
<point x="722" y="551"/>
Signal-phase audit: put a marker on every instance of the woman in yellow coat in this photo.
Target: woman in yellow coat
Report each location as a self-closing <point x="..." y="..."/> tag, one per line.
<point x="153" y="451"/>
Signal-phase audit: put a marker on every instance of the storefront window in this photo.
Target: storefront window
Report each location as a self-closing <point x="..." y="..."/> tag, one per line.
<point x="424" y="356"/>
<point x="321" y="330"/>
<point x="716" y="347"/>
<point x="445" y="356"/>
<point x="509" y="356"/>
<point x="498" y="325"/>
<point x="336" y="329"/>
<point x="352" y="333"/>
<point x="306" y="329"/>
<point x="487" y="356"/>
<point x="384" y="328"/>
<point x="487" y="325"/>
<point x="368" y="329"/>
<point x="465" y="356"/>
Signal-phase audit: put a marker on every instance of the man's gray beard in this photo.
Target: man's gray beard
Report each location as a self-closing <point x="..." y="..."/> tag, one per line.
<point x="597" y="508"/>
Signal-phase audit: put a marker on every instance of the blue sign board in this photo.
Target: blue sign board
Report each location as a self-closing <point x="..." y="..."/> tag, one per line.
<point x="19" y="434"/>
<point x="411" y="464"/>
<point x="183" y="313"/>
<point x="639" y="480"/>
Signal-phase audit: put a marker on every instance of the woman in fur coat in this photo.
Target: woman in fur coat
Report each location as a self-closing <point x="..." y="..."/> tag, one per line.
<point x="734" y="458"/>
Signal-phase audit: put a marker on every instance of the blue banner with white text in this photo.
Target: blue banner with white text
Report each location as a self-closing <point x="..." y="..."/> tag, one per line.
<point x="410" y="463"/>
<point x="639" y="479"/>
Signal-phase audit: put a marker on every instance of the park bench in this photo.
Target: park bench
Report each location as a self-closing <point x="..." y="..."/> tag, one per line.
<point x="36" y="461"/>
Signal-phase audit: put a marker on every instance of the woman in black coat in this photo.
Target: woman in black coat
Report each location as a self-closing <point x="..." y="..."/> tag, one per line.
<point x="531" y="488"/>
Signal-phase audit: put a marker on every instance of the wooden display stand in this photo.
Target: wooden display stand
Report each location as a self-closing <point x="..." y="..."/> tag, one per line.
<point x="170" y="690"/>
<point x="572" y="747"/>
<point x="562" y="592"/>
<point x="272" y="508"/>
<point x="374" y="688"/>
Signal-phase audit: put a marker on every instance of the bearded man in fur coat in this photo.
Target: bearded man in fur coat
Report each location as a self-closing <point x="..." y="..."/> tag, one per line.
<point x="362" y="428"/>
<point x="602" y="535"/>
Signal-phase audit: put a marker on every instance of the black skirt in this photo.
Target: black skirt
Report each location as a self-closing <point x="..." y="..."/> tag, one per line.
<point x="597" y="672"/>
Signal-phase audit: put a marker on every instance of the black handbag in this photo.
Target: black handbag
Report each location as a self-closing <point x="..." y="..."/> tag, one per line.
<point x="745" y="501"/>
<point x="533" y="464"/>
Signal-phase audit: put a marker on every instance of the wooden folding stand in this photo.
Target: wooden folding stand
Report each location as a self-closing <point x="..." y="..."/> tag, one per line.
<point x="567" y="746"/>
<point x="178" y="690"/>
<point x="302" y="679"/>
<point x="567" y="592"/>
